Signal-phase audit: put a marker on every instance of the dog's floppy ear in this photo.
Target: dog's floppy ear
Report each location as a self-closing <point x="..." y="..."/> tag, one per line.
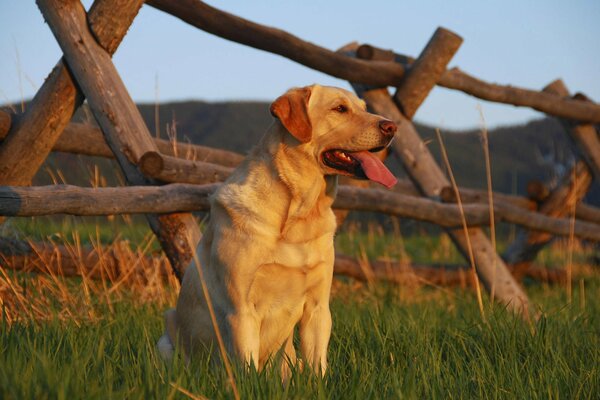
<point x="292" y="110"/>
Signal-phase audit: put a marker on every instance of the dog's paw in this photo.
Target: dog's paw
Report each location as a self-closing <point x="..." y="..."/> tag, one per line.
<point x="165" y="347"/>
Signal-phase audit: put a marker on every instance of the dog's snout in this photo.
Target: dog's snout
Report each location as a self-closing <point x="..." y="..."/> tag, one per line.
<point x="387" y="127"/>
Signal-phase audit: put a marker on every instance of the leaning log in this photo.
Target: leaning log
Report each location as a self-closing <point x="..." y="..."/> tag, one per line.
<point x="426" y="71"/>
<point x="231" y="27"/>
<point x="33" y="135"/>
<point x="561" y="201"/>
<point x="118" y="261"/>
<point x="74" y="200"/>
<point x="121" y="122"/>
<point x="585" y="136"/>
<point x="428" y="176"/>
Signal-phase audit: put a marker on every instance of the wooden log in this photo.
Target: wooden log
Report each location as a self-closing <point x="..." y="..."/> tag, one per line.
<point x="424" y="171"/>
<point x="172" y="169"/>
<point x="585" y="136"/>
<point x="448" y="195"/>
<point x="124" y="129"/>
<point x="426" y="70"/>
<point x="560" y="202"/>
<point x="537" y="191"/>
<point x="115" y="262"/>
<point x="6" y="120"/>
<point x="583" y="212"/>
<point x="442" y="276"/>
<point x="587" y="213"/>
<point x="87" y="139"/>
<point x="33" y="136"/>
<point x="74" y="200"/>
<point x="380" y="74"/>
<point x="449" y="216"/>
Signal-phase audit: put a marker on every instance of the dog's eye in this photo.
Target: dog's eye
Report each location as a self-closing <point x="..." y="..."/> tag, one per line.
<point x="341" y="108"/>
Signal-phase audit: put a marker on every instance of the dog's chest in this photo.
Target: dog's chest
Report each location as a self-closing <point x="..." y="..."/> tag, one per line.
<point x="305" y="243"/>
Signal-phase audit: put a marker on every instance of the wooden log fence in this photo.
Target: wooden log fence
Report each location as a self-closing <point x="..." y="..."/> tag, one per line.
<point x="560" y="202"/>
<point x="124" y="129"/>
<point x="429" y="179"/>
<point x="118" y="261"/>
<point x="181" y="197"/>
<point x="87" y="139"/>
<point x="89" y="39"/>
<point x="33" y="136"/>
<point x="231" y="27"/>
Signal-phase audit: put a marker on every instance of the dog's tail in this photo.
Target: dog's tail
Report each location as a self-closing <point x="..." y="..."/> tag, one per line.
<point x="166" y="344"/>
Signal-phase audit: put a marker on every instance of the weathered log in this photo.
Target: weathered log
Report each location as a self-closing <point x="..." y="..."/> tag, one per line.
<point x="180" y="197"/>
<point x="115" y="262"/>
<point x="6" y="121"/>
<point x="448" y="195"/>
<point x="585" y="136"/>
<point x="75" y="200"/>
<point x="560" y="202"/>
<point x="424" y="171"/>
<point x="449" y="216"/>
<point x="583" y="212"/>
<point x="172" y="169"/>
<point x="426" y="70"/>
<point x="537" y="190"/>
<point x="442" y="275"/>
<point x="124" y="129"/>
<point x="380" y="74"/>
<point x="87" y="139"/>
<point x="33" y="136"/>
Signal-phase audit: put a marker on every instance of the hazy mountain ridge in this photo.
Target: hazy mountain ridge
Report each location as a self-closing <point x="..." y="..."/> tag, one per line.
<point x="536" y="150"/>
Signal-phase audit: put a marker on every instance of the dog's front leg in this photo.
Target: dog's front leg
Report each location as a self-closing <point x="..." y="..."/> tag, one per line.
<point x="245" y="341"/>
<point x="315" y="330"/>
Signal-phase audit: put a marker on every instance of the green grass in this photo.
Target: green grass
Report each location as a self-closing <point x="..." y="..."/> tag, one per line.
<point x="434" y="345"/>
<point x="416" y="343"/>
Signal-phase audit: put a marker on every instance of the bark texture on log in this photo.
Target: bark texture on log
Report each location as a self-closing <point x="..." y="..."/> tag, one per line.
<point x="559" y="203"/>
<point x="583" y="212"/>
<point x="426" y="70"/>
<point x="33" y="136"/>
<point x="380" y="74"/>
<point x="585" y="136"/>
<point x="424" y="171"/>
<point x="412" y="275"/>
<point x="172" y="169"/>
<point x="87" y="139"/>
<point x="74" y="200"/>
<point x="123" y="127"/>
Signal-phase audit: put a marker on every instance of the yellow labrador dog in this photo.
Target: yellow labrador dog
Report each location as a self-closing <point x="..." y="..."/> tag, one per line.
<point x="267" y="253"/>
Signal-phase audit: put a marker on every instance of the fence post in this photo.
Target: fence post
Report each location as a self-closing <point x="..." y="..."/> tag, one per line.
<point x="564" y="198"/>
<point x="123" y="127"/>
<point x="424" y="171"/>
<point x="33" y="135"/>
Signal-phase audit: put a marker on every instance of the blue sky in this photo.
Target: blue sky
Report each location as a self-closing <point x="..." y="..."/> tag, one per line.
<point x="524" y="43"/>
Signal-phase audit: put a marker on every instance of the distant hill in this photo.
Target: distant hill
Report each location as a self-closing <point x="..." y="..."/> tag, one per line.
<point x="539" y="149"/>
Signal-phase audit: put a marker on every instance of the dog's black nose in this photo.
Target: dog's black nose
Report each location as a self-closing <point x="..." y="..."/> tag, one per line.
<point x="387" y="127"/>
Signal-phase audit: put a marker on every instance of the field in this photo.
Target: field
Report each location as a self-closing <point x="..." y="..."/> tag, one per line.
<point x="78" y="338"/>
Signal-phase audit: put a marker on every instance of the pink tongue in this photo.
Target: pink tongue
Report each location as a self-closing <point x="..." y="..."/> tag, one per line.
<point x="374" y="168"/>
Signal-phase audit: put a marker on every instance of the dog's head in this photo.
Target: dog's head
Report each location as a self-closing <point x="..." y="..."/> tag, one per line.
<point x="333" y="125"/>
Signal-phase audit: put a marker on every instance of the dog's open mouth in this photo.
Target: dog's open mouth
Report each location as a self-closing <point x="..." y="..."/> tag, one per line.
<point x="360" y="164"/>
